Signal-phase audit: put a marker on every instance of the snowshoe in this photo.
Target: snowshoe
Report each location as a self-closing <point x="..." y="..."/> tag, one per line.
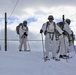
<point x="65" y="56"/>
<point x="27" y="50"/>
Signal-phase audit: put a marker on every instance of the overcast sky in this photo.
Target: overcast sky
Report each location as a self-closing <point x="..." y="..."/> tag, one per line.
<point x="36" y="13"/>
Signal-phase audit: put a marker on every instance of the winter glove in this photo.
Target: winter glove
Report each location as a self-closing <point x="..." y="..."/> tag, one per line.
<point x="25" y="33"/>
<point x="41" y="31"/>
<point x="64" y="33"/>
<point x="45" y="32"/>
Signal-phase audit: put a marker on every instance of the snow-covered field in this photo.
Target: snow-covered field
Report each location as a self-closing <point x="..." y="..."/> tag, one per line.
<point x="31" y="63"/>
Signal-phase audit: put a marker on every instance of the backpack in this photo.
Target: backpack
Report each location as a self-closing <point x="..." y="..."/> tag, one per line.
<point x="72" y="36"/>
<point x="17" y="28"/>
<point x="61" y="25"/>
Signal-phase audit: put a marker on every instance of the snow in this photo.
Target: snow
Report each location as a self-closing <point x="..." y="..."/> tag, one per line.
<point x="31" y="63"/>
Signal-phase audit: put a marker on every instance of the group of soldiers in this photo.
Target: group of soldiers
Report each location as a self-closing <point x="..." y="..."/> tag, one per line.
<point x="58" y="37"/>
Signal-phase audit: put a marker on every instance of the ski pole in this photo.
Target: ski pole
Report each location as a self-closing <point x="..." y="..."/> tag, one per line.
<point x="64" y="38"/>
<point x="43" y="46"/>
<point x="75" y="49"/>
<point x="28" y="44"/>
<point x="0" y="47"/>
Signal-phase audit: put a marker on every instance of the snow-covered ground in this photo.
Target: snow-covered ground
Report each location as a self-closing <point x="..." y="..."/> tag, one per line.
<point x="32" y="63"/>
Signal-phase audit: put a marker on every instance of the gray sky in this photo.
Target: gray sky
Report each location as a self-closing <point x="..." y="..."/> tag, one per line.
<point x="38" y="9"/>
<point x="8" y="5"/>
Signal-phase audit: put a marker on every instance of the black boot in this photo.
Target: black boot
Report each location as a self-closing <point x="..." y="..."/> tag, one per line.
<point x="61" y="56"/>
<point x="66" y="56"/>
<point x="20" y="50"/>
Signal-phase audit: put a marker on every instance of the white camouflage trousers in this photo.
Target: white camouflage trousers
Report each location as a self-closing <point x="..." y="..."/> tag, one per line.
<point x="23" y="41"/>
<point x="50" y="45"/>
<point x="64" y="45"/>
